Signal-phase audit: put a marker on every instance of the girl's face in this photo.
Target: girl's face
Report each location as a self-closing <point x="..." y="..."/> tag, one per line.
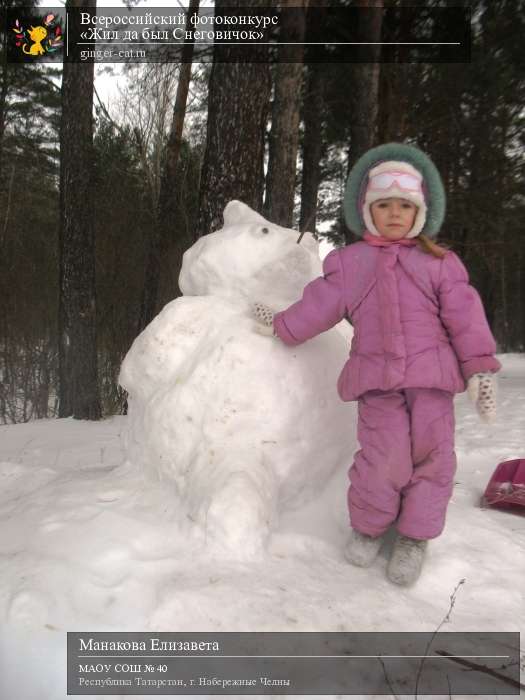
<point x="393" y="217"/>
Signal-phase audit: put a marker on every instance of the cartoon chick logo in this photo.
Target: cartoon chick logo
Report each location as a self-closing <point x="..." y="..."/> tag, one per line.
<point x="45" y="38"/>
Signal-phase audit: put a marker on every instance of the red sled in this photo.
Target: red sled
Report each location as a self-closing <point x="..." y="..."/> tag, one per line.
<point x="506" y="488"/>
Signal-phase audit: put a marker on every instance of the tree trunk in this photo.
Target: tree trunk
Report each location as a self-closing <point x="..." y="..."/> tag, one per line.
<point x="284" y="137"/>
<point x="366" y="83"/>
<point x="394" y="95"/>
<point x="78" y="393"/>
<point x="312" y="147"/>
<point x="238" y="101"/>
<point x="393" y="102"/>
<point x="3" y="103"/>
<point x="167" y="205"/>
<point x="363" y="127"/>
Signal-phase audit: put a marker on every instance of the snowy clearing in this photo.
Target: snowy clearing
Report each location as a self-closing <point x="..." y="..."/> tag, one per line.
<point x="87" y="544"/>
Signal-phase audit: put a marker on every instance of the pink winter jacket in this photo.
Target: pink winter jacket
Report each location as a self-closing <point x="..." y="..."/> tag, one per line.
<point x="417" y="321"/>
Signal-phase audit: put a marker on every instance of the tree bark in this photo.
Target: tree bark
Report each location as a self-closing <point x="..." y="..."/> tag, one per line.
<point x="393" y="107"/>
<point x="394" y="96"/>
<point x="167" y="203"/>
<point x="312" y="147"/>
<point x="78" y="392"/>
<point x="3" y="105"/>
<point x="284" y="136"/>
<point x="363" y="129"/>
<point x="366" y="82"/>
<point x="238" y="102"/>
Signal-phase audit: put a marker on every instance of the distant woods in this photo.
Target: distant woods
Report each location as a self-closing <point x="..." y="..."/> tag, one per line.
<point x="163" y="165"/>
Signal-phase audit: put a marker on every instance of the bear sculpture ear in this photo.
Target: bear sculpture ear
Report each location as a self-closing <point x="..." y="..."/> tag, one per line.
<point x="233" y="211"/>
<point x="237" y="212"/>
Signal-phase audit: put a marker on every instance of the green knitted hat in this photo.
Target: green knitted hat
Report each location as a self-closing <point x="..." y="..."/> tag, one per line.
<point x="358" y="180"/>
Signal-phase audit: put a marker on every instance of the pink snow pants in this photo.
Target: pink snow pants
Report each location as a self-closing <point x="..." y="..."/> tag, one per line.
<point x="404" y="471"/>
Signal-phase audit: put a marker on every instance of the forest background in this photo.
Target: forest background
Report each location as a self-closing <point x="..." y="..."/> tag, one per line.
<point x="97" y="208"/>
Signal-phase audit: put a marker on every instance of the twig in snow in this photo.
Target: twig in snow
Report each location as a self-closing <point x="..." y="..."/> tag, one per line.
<point x="443" y="621"/>
<point x="387" y="678"/>
<point x="483" y="669"/>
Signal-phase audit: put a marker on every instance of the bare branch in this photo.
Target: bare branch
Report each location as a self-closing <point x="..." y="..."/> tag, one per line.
<point x="443" y="621"/>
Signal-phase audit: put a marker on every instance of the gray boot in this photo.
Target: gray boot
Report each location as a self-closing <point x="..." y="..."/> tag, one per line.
<point x="361" y="549"/>
<point x="406" y="560"/>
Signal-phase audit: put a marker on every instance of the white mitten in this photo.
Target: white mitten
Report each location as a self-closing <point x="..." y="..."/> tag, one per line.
<point x="481" y="389"/>
<point x="263" y="318"/>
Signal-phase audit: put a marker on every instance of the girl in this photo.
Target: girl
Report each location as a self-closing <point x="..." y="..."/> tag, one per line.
<point x="420" y="335"/>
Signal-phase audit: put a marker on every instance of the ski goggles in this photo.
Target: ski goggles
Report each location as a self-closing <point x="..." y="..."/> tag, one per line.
<point x="404" y="181"/>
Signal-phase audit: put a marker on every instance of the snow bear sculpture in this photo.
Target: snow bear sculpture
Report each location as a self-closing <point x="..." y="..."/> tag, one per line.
<point x="241" y="424"/>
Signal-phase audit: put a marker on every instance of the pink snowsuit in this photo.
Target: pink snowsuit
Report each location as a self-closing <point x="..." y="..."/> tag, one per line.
<point x="420" y="331"/>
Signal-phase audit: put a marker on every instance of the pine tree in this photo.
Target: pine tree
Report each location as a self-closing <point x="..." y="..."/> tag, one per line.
<point x="29" y="116"/>
<point x="78" y="389"/>
<point x="238" y="100"/>
<point x="284" y="135"/>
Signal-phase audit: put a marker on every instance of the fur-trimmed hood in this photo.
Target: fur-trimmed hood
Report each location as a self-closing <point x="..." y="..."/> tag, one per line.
<point x="358" y="179"/>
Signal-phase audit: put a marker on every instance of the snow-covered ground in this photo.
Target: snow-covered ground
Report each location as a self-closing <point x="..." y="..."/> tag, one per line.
<point x="87" y="544"/>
